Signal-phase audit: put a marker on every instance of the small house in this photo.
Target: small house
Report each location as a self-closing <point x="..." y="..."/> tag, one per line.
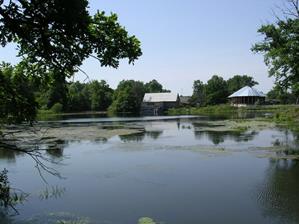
<point x="158" y="103"/>
<point x="247" y="96"/>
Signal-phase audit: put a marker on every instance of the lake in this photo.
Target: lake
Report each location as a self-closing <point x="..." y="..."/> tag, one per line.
<point x="175" y="172"/>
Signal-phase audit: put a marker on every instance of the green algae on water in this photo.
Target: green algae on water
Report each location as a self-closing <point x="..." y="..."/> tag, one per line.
<point x="146" y="220"/>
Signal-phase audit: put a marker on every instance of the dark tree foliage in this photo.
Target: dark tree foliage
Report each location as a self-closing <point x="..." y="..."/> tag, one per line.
<point x="153" y="87"/>
<point x="94" y="95"/>
<point x="199" y="93"/>
<point x="237" y="82"/>
<point x="57" y="92"/>
<point x="53" y="38"/>
<point x="100" y="95"/>
<point x="216" y="90"/>
<point x="79" y="97"/>
<point x="281" y="95"/>
<point x="127" y="97"/>
<point x="280" y="47"/>
<point x="57" y="35"/>
<point x="16" y="96"/>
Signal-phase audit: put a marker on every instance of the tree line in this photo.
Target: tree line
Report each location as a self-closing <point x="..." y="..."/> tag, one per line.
<point x="30" y="94"/>
<point x="53" y="50"/>
<point x="216" y="90"/>
<point x="24" y="95"/>
<point x="98" y="96"/>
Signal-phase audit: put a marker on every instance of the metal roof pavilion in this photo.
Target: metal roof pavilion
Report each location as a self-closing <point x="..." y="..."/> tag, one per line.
<point x="247" y="91"/>
<point x="160" y="97"/>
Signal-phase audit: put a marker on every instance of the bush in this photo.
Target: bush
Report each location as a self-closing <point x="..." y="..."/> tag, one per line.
<point x="57" y="108"/>
<point x="8" y="196"/>
<point x="208" y="110"/>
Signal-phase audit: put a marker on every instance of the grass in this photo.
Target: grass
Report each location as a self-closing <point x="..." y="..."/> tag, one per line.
<point x="286" y="115"/>
<point x="47" y="115"/>
<point x="280" y="113"/>
<point x="208" y="110"/>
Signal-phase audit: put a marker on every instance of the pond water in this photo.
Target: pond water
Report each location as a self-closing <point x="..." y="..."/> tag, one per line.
<point x="173" y="173"/>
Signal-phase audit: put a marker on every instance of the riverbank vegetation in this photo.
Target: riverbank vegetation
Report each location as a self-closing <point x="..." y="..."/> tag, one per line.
<point x="206" y="110"/>
<point x="283" y="114"/>
<point x="50" y="99"/>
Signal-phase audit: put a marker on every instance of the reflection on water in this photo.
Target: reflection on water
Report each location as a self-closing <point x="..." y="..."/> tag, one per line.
<point x="139" y="137"/>
<point x="56" y="150"/>
<point x="53" y="192"/>
<point x="133" y="137"/>
<point x="9" y="155"/>
<point x="218" y="137"/>
<point x="172" y="176"/>
<point x="154" y="134"/>
<point x="279" y="193"/>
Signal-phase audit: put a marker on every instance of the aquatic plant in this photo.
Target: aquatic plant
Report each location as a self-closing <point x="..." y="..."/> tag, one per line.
<point x="9" y="197"/>
<point x="146" y="220"/>
<point x="53" y="192"/>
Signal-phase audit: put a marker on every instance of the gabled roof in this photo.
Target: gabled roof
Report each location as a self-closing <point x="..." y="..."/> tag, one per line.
<point x="160" y="97"/>
<point x="247" y="91"/>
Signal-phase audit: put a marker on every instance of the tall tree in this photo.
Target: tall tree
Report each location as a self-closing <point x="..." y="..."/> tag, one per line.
<point x="100" y="95"/>
<point x="153" y="87"/>
<point x="16" y="96"/>
<point x="237" y="82"/>
<point x="199" y="93"/>
<point x="282" y="94"/>
<point x="280" y="46"/>
<point x="216" y="90"/>
<point x="127" y="97"/>
<point x="78" y="97"/>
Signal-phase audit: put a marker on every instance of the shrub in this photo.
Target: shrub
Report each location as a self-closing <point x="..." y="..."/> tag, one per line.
<point x="57" y="108"/>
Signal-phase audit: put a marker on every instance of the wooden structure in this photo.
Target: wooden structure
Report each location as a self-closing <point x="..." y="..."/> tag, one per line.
<point x="247" y="96"/>
<point x="158" y="103"/>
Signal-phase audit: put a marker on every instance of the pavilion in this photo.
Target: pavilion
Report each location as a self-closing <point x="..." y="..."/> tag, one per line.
<point x="247" y="96"/>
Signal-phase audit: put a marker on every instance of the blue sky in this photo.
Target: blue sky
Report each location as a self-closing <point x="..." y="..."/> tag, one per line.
<point x="183" y="41"/>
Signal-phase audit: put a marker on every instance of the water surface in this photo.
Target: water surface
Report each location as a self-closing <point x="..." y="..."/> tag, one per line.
<point x="172" y="173"/>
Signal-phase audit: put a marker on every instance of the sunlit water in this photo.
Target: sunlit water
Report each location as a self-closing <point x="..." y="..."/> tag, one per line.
<point x="162" y="174"/>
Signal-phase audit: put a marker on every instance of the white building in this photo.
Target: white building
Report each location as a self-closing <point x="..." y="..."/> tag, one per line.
<point x="247" y="96"/>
